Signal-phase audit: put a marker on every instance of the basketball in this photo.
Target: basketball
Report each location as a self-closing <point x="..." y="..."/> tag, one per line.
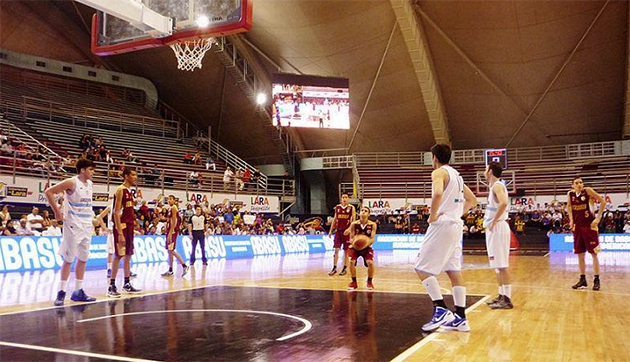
<point x="360" y="242"/>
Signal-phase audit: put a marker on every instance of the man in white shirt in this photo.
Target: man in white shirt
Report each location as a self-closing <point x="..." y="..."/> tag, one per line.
<point x="22" y="229"/>
<point x="227" y="178"/>
<point x="53" y="229"/>
<point x="34" y="220"/>
<point x="626" y="227"/>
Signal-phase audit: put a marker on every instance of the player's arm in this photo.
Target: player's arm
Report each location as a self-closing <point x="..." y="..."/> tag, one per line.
<point x="99" y="218"/>
<point x="470" y="200"/>
<point x="570" y="210"/>
<point x="354" y="213"/>
<point x="351" y="231"/>
<point x="373" y="236"/>
<point x="63" y="186"/>
<point x="437" y="184"/>
<point x="174" y="212"/>
<point x="190" y="227"/>
<point x="117" y="211"/>
<point x="333" y="224"/>
<point x="205" y="226"/>
<point x="502" y="201"/>
<point x="602" y="205"/>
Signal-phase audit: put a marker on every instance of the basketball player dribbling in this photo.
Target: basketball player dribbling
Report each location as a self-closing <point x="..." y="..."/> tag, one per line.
<point x="363" y="226"/>
<point x="344" y="216"/>
<point x="77" y="216"/>
<point x="585" y="228"/>
<point x="442" y="248"/>
<point x="498" y="235"/>
<point x="173" y="222"/>
<point x="124" y="216"/>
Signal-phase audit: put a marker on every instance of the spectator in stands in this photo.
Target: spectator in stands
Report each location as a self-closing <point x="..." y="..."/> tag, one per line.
<point x="229" y="216"/>
<point x="557" y="219"/>
<point x="626" y="227"/>
<point x="546" y="220"/>
<point x="256" y="177"/>
<point x="210" y="164"/>
<point x="415" y="229"/>
<point x="227" y="178"/>
<point x="9" y="229"/>
<point x="238" y="177"/>
<point x="197" y="158"/>
<point x="84" y="143"/>
<point x="618" y="222"/>
<point x="53" y="229"/>
<point x="188" y="213"/>
<point x="5" y="216"/>
<point x="45" y="219"/>
<point x="22" y="229"/>
<point x="125" y="154"/>
<point x="247" y="176"/>
<point x="519" y="225"/>
<point x="188" y="158"/>
<point x="3" y="137"/>
<point x="193" y="178"/>
<point x="610" y="226"/>
<point x="6" y="150"/>
<point x="35" y="220"/>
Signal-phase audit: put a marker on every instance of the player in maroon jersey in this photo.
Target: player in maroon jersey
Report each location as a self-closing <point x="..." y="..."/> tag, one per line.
<point x="124" y="216"/>
<point x="173" y="223"/>
<point x="585" y="227"/>
<point x="344" y="216"/>
<point x="363" y="226"/>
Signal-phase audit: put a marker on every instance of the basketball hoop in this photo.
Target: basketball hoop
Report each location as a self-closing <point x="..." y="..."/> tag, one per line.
<point x="190" y="53"/>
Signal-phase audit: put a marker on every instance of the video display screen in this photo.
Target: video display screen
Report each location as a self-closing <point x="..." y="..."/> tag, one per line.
<point x="310" y="101"/>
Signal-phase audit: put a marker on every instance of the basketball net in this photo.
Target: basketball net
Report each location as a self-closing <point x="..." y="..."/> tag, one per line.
<point x="190" y="53"/>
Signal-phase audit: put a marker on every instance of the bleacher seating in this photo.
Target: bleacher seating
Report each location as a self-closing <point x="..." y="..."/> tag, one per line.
<point x="549" y="177"/>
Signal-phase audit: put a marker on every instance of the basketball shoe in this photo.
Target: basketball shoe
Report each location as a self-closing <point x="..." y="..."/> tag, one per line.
<point x="344" y="271"/>
<point x="167" y="274"/>
<point x="581" y="284"/>
<point x="128" y="288"/>
<point x="369" y="285"/>
<point x="112" y="292"/>
<point x="333" y="271"/>
<point x="457" y="324"/>
<point x="353" y="286"/>
<point x="496" y="299"/>
<point x="440" y="317"/>
<point x="186" y="269"/>
<point x="596" y="283"/>
<point x="61" y="295"/>
<point x="80" y="296"/>
<point x="503" y="303"/>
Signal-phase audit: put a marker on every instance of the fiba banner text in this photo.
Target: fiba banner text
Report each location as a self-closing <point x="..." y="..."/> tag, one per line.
<point x="24" y="253"/>
<point x="607" y="242"/>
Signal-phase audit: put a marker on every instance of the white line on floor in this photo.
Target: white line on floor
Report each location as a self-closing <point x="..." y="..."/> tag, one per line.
<point x="76" y="353"/>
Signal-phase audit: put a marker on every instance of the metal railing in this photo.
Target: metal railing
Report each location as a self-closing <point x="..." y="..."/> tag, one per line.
<point x="232" y="160"/>
<point x="337" y="162"/>
<point x="13" y="129"/>
<point x="106" y="173"/>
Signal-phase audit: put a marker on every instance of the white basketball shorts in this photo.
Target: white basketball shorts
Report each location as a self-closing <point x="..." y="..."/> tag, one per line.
<point x="442" y="248"/>
<point x="75" y="242"/>
<point x="498" y="245"/>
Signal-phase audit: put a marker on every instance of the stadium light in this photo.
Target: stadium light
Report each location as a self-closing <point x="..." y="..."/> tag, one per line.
<point x="203" y="21"/>
<point x="261" y="98"/>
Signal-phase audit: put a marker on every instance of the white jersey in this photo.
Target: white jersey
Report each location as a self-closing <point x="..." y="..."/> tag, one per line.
<point x="452" y="204"/>
<point x="77" y="205"/>
<point x="493" y="205"/>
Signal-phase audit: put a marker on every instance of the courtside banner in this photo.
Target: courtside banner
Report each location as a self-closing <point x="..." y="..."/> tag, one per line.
<point x="609" y="242"/>
<point x="26" y="253"/>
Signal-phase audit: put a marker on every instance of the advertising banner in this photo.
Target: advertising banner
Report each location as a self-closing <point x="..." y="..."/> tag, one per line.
<point x="607" y="242"/>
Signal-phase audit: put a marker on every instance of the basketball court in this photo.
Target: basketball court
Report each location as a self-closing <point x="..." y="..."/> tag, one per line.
<point x="287" y="308"/>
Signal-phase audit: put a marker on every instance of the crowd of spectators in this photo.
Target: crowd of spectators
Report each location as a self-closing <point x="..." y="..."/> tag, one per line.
<point x="26" y="158"/>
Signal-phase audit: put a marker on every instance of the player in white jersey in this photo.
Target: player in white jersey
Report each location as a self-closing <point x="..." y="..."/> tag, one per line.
<point x="442" y="248"/>
<point x="77" y="216"/>
<point x="498" y="235"/>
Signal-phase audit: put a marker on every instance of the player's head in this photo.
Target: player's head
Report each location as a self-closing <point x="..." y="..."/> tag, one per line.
<point x="85" y="168"/>
<point x="130" y="176"/>
<point x="171" y="200"/>
<point x="365" y="212"/>
<point x="441" y="154"/>
<point x="344" y="199"/>
<point x="578" y="184"/>
<point x="493" y="169"/>
<point x="198" y="210"/>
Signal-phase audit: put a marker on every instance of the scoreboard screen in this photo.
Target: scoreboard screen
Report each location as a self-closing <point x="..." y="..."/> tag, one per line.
<point x="498" y="155"/>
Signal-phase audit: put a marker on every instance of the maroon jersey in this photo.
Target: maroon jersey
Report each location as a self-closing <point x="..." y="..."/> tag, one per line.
<point x="170" y="228"/>
<point x="581" y="209"/>
<point x="128" y="214"/>
<point x="360" y="229"/>
<point x="344" y="215"/>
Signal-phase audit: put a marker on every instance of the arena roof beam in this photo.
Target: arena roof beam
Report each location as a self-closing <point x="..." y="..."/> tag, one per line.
<point x="418" y="47"/>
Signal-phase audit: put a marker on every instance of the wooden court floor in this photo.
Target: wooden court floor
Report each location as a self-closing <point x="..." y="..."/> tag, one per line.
<point x="550" y="322"/>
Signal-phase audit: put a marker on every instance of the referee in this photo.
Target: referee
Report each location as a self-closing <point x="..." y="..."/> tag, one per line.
<point x="197" y="231"/>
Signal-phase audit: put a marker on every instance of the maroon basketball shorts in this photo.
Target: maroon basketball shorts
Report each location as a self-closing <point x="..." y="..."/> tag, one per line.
<point x="126" y="248"/>
<point x="585" y="239"/>
<point x="367" y="254"/>
<point x="171" y="240"/>
<point x="341" y="240"/>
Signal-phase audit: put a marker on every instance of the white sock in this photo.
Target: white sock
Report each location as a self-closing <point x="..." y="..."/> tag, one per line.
<point x="63" y="285"/>
<point x="507" y="290"/>
<point x="78" y="284"/>
<point x="109" y="266"/>
<point x="433" y="288"/>
<point x="459" y="296"/>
